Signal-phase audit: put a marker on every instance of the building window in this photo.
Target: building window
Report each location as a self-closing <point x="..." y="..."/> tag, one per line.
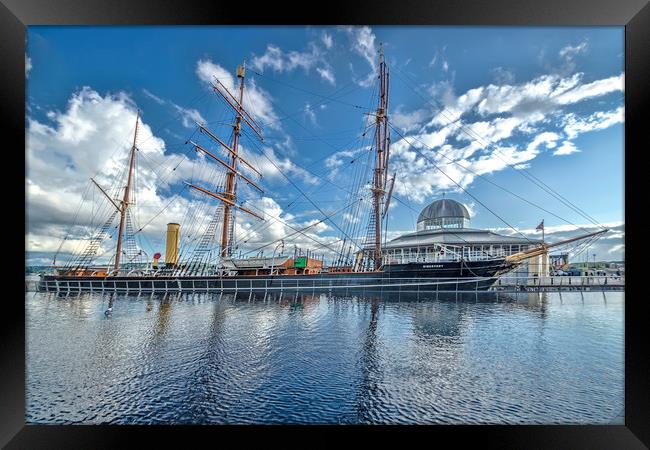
<point x="443" y="222"/>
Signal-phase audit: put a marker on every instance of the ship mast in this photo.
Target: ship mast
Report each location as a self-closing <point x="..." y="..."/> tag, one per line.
<point x="381" y="159"/>
<point x="125" y="199"/>
<point x="230" y="193"/>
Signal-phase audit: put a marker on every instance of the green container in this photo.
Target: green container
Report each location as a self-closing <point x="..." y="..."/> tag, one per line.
<point x="300" y="262"/>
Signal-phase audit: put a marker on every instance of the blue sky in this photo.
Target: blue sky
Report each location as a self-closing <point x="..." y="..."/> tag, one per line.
<point x="547" y="100"/>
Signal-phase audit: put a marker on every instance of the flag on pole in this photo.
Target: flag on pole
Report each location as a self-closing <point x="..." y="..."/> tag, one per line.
<point x="541" y="227"/>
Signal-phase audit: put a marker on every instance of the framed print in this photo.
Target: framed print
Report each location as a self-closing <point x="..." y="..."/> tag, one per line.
<point x="401" y="214"/>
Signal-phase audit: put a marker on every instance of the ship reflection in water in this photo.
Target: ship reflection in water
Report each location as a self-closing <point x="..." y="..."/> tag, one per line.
<point x="300" y="358"/>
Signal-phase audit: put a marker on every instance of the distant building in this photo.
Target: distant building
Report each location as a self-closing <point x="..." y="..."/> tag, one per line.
<point x="444" y="233"/>
<point x="559" y="261"/>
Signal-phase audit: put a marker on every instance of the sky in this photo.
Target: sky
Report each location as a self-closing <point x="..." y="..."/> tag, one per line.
<point x="520" y="124"/>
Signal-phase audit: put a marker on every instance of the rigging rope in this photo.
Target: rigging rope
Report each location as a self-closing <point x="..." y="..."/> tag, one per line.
<point x="457" y="184"/>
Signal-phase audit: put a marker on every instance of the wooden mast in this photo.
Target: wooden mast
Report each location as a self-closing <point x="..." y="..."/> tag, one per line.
<point x="229" y="194"/>
<point x="381" y="162"/>
<point x="125" y="199"/>
<point x="230" y="175"/>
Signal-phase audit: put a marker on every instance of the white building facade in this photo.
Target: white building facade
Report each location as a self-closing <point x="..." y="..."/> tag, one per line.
<point x="444" y="234"/>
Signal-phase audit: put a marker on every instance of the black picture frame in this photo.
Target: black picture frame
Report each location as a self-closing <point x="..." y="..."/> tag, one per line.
<point x="15" y="15"/>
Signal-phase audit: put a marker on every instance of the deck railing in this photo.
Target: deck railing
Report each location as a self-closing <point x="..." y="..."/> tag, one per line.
<point x="447" y="257"/>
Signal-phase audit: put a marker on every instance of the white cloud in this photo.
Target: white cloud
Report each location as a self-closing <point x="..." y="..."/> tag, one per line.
<point x="327" y="39"/>
<point x="409" y="121"/>
<point x="543" y="94"/>
<point x="528" y="102"/>
<point x="279" y="224"/>
<point x="569" y="51"/>
<point x="566" y="148"/>
<point x="547" y="138"/>
<point x="87" y="122"/>
<point x="454" y="107"/>
<point x="363" y="43"/>
<point x="316" y="225"/>
<point x="499" y="159"/>
<point x="273" y="214"/>
<point x="273" y="167"/>
<point x="620" y="248"/>
<point x="256" y="101"/>
<point x="155" y="98"/>
<point x="62" y="156"/>
<point x="309" y="112"/>
<point x="502" y="76"/>
<point x="590" y="90"/>
<point x="326" y="74"/>
<point x="28" y="64"/>
<point x="471" y="209"/>
<point x="339" y="159"/>
<point x="476" y="130"/>
<point x="567" y="55"/>
<point x="280" y="61"/>
<point x="440" y="56"/>
<point x="574" y="125"/>
<point x="521" y="166"/>
<point x="190" y="117"/>
<point x="273" y="58"/>
<point x="92" y="137"/>
<point x="490" y="131"/>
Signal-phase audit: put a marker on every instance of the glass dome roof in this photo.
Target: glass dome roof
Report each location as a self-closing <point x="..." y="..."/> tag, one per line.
<point x="444" y="208"/>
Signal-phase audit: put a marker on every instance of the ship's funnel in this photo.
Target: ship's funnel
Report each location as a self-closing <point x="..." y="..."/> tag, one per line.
<point x="173" y="239"/>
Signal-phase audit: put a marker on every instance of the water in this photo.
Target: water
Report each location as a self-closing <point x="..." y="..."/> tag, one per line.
<point x="529" y="358"/>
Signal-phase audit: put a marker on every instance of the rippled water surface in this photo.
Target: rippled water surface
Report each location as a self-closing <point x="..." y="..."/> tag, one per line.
<point x="529" y="358"/>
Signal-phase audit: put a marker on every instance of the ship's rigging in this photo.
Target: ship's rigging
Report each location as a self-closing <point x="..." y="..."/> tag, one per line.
<point x="380" y="172"/>
<point x="354" y="250"/>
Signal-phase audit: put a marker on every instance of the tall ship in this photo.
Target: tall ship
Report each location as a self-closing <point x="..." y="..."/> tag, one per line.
<point x="440" y="255"/>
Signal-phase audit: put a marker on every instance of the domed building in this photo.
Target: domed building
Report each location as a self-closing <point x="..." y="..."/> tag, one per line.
<point x="445" y="213"/>
<point x="443" y="233"/>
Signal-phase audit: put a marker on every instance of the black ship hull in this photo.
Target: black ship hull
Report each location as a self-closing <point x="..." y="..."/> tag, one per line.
<point x="440" y="277"/>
